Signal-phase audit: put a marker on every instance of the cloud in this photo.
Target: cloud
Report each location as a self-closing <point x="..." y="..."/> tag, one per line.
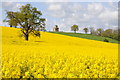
<point x="59" y="0"/>
<point x="11" y="6"/>
<point x="8" y="6"/>
<point x="95" y="8"/>
<point x="54" y="7"/>
<point x="109" y="16"/>
<point x="93" y="14"/>
<point x="56" y="10"/>
<point x="66" y="14"/>
<point x="3" y="23"/>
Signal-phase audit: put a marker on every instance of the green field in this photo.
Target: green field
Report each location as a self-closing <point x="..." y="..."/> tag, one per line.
<point x="87" y="36"/>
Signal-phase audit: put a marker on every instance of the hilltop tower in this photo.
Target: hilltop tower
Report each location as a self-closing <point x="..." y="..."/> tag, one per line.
<point x="56" y="29"/>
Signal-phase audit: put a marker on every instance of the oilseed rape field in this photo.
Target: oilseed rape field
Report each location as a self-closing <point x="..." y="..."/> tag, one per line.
<point x="56" y="56"/>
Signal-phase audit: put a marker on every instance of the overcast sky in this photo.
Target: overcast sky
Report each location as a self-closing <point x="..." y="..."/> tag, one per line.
<point x="65" y="14"/>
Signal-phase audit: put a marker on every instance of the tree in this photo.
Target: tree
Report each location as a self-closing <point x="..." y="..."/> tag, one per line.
<point x="28" y="18"/>
<point x="86" y="30"/>
<point x="42" y="29"/>
<point x="12" y="21"/>
<point x="115" y="34"/>
<point x="74" y="28"/>
<point x="92" y="30"/>
<point x="107" y="33"/>
<point x="99" y="31"/>
<point x="118" y="34"/>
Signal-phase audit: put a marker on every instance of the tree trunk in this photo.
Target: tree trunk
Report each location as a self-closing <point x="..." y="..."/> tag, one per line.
<point x="26" y="37"/>
<point x="74" y="31"/>
<point x="91" y="33"/>
<point x="10" y="25"/>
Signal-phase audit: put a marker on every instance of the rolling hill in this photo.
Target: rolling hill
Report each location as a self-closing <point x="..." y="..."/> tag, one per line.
<point x="56" y="56"/>
<point x="87" y="36"/>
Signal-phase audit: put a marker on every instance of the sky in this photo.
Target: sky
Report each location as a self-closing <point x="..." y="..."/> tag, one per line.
<point x="65" y="14"/>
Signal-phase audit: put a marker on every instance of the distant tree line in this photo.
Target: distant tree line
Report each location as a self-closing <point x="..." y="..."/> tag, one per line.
<point x="110" y="33"/>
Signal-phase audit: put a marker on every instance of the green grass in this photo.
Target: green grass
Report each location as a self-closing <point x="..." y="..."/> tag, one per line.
<point x="87" y="36"/>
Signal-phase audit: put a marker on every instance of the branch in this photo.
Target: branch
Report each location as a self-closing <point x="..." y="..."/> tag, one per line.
<point x="30" y="30"/>
<point x="23" y="31"/>
<point x="17" y="20"/>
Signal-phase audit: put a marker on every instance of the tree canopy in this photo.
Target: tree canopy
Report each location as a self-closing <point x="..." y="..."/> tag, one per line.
<point x="100" y="30"/>
<point x="28" y="18"/>
<point x="74" y="28"/>
<point x="86" y="30"/>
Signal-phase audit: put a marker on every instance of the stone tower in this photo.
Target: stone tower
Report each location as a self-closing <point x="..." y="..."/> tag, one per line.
<point x="56" y="29"/>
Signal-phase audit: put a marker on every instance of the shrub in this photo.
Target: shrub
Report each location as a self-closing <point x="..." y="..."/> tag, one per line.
<point x="106" y="40"/>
